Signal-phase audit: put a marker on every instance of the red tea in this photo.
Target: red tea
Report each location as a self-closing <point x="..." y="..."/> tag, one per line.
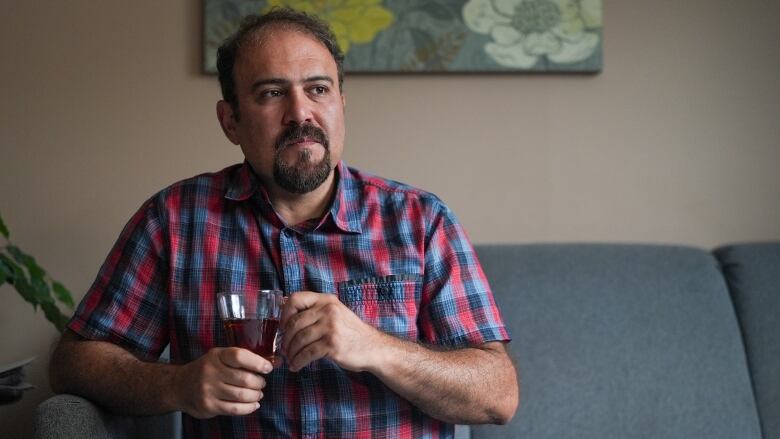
<point x="257" y="335"/>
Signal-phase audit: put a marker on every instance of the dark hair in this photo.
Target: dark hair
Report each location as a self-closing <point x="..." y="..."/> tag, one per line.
<point x="252" y="25"/>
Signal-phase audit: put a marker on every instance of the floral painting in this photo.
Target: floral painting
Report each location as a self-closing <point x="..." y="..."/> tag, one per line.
<point x="440" y="35"/>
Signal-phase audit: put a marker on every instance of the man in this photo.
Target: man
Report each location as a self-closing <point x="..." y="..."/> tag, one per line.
<point x="390" y="329"/>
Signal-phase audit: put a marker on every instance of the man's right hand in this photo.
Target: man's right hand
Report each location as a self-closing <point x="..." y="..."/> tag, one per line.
<point x="224" y="381"/>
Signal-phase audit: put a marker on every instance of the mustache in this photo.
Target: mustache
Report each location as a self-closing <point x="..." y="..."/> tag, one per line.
<point x="296" y="133"/>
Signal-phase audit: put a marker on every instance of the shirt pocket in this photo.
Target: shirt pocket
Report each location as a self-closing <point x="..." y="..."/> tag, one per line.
<point x="388" y="303"/>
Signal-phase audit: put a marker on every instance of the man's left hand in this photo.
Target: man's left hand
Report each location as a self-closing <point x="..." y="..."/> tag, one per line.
<point x="317" y="325"/>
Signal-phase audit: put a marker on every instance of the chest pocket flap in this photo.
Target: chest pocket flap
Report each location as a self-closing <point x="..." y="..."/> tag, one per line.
<point x="389" y="303"/>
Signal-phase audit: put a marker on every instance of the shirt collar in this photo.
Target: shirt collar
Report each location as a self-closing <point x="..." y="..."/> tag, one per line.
<point x="344" y="211"/>
<point x="242" y="184"/>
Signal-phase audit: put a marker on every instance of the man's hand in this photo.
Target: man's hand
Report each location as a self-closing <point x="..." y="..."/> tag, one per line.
<point x="318" y="325"/>
<point x="224" y="381"/>
<point x="471" y="385"/>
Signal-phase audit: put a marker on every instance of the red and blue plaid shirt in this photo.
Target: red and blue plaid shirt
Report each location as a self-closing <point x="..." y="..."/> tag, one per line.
<point x="393" y="254"/>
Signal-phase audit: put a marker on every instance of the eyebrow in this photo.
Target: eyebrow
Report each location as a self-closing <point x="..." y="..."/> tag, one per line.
<point x="280" y="81"/>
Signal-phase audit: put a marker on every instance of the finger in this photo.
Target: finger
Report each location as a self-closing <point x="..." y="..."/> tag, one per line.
<point x="297" y="323"/>
<point x="309" y="353"/>
<point x="291" y="307"/>
<point x="236" y="408"/>
<point x="244" y="378"/>
<point x="301" y="301"/>
<point x="240" y="358"/>
<point x="303" y="338"/>
<point x="226" y="392"/>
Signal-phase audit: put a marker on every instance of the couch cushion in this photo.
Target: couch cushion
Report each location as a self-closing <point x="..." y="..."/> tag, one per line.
<point x="620" y="341"/>
<point x="753" y="274"/>
<point x="70" y="416"/>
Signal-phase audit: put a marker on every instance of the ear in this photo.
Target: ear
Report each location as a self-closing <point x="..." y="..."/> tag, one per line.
<point x="227" y="121"/>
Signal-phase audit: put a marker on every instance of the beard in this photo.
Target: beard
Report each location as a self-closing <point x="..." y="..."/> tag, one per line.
<point x="303" y="175"/>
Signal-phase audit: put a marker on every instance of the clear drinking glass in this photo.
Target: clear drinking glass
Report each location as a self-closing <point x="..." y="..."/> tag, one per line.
<point x="251" y="319"/>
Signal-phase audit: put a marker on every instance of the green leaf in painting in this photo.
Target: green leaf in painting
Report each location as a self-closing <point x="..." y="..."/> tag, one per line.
<point x="421" y="39"/>
<point x="62" y="294"/>
<point x="426" y="53"/>
<point x="437" y="11"/>
<point x="231" y="12"/>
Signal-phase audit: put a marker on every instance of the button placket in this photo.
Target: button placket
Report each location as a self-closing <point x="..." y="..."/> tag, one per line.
<point x="309" y="407"/>
<point x="291" y="266"/>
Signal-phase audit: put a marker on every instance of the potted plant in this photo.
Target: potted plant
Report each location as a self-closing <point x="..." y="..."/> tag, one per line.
<point x="19" y="269"/>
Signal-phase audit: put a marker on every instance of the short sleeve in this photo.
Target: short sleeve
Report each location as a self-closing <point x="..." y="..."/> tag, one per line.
<point x="128" y="302"/>
<point x="457" y="307"/>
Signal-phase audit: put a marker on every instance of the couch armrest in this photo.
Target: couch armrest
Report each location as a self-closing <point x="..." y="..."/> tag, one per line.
<point x="70" y="416"/>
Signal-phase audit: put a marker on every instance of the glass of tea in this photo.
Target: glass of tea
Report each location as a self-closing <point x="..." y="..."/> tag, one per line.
<point x="251" y="319"/>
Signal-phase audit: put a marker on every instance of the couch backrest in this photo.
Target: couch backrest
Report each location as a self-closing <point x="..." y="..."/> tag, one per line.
<point x="753" y="275"/>
<point x="620" y="341"/>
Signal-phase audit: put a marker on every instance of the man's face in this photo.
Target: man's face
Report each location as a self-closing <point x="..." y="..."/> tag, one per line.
<point x="290" y="121"/>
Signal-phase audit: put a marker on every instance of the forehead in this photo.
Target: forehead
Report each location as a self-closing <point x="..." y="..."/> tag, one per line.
<point x="283" y="53"/>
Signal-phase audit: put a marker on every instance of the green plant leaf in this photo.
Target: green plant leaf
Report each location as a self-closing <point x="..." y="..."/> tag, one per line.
<point x="62" y="294"/>
<point x="6" y="273"/>
<point x="23" y="286"/>
<point x="55" y="316"/>
<point x="42" y="292"/>
<point x="34" y="291"/>
<point x="37" y="286"/>
<point x="35" y="270"/>
<point x="7" y="268"/>
<point x="33" y="284"/>
<point x="4" y="229"/>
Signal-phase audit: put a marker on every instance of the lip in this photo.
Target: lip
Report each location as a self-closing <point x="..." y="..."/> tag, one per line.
<point x="304" y="142"/>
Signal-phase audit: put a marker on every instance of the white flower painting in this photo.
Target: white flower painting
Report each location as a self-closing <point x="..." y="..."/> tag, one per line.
<point x="523" y="32"/>
<point x="439" y="36"/>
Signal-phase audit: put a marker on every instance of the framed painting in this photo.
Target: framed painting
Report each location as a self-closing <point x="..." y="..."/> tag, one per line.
<point x="439" y="36"/>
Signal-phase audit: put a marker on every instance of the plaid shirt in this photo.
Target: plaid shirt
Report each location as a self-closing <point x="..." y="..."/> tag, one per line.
<point x="395" y="255"/>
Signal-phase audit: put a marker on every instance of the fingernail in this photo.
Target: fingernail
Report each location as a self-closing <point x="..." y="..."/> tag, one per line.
<point x="257" y="405"/>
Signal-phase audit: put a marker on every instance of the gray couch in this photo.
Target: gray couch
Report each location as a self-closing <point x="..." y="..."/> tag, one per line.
<point x="612" y="341"/>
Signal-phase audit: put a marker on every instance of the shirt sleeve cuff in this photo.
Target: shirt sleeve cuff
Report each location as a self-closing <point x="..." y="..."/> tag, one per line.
<point x="90" y="331"/>
<point x="476" y="338"/>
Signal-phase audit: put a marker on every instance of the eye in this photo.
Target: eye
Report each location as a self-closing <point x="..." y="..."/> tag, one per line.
<point x="272" y="93"/>
<point x="319" y="89"/>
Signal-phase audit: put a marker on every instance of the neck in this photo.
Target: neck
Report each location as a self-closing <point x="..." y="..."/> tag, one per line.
<point x="296" y="208"/>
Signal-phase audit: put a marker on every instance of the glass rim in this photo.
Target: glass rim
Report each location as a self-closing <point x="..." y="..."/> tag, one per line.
<point x="245" y="292"/>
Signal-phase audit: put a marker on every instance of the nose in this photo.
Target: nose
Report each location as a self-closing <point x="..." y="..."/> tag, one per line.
<point x="299" y="110"/>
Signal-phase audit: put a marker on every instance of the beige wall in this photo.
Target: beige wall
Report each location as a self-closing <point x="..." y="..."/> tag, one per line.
<point x="677" y="141"/>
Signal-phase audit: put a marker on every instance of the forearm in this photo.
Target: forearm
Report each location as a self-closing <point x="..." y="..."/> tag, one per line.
<point x="112" y="377"/>
<point x="468" y="386"/>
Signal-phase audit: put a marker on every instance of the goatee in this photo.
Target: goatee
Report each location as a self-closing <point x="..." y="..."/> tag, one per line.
<point x="303" y="175"/>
